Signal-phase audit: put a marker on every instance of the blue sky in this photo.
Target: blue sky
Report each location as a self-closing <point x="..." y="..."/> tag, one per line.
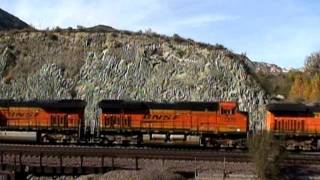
<point x="282" y="32"/>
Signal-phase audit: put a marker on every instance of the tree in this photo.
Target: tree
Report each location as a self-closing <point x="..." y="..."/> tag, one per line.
<point x="297" y="89"/>
<point x="312" y="63"/>
<point x="315" y="88"/>
<point x="307" y="91"/>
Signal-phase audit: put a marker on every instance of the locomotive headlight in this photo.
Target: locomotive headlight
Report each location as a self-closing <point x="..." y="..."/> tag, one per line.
<point x="238" y="130"/>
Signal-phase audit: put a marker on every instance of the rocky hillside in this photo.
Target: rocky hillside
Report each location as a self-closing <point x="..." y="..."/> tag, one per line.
<point x="124" y="65"/>
<point x="8" y="21"/>
<point x="267" y="68"/>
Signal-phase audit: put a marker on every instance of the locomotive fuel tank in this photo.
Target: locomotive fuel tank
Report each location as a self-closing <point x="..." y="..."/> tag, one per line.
<point x="18" y="136"/>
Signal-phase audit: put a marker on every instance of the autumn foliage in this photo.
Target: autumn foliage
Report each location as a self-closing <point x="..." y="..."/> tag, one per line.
<point x="305" y="88"/>
<point x="306" y="84"/>
<point x="296" y="85"/>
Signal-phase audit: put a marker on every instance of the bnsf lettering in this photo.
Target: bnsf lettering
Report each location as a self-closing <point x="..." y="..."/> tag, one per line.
<point x="21" y="114"/>
<point x="112" y="121"/>
<point x="159" y="117"/>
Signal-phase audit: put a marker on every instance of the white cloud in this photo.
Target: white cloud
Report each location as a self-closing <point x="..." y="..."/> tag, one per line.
<point x="180" y="24"/>
<point x="287" y="47"/>
<point x="64" y="13"/>
<point x="200" y="20"/>
<point x="123" y="14"/>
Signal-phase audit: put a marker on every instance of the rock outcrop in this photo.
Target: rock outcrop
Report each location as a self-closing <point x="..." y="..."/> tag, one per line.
<point x="267" y="68"/>
<point x="122" y="65"/>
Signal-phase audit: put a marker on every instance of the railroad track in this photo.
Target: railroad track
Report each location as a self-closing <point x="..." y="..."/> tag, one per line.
<point x="147" y="153"/>
<point x="81" y="159"/>
<point x="124" y="152"/>
<point x="302" y="159"/>
<point x="60" y="158"/>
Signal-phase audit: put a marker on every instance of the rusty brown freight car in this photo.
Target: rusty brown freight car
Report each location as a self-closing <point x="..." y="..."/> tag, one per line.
<point x="298" y="124"/>
<point x="41" y="121"/>
<point x="217" y="124"/>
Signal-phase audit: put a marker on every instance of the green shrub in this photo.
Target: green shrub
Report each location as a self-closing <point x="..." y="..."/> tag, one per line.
<point x="180" y="53"/>
<point x="178" y="38"/>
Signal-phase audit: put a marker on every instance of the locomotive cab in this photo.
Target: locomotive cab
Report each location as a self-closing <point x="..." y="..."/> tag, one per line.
<point x="233" y="120"/>
<point x="228" y="108"/>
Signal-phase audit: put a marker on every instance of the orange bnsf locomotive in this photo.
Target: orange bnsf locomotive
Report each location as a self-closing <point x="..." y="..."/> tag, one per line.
<point x="215" y="124"/>
<point x="297" y="124"/>
<point x="42" y="121"/>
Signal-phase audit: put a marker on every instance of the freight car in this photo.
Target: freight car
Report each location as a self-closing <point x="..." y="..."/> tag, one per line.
<point x="214" y="124"/>
<point x="42" y="121"/>
<point x="297" y="124"/>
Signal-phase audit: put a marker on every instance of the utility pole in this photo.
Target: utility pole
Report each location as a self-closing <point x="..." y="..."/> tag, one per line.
<point x="195" y="168"/>
<point x="224" y="168"/>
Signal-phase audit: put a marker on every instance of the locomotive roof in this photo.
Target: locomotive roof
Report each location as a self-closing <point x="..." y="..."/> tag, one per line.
<point x="138" y="105"/>
<point x="67" y="103"/>
<point x="293" y="107"/>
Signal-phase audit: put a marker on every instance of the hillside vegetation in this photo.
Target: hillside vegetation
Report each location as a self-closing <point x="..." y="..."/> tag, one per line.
<point x="306" y="84"/>
<point x="295" y="85"/>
